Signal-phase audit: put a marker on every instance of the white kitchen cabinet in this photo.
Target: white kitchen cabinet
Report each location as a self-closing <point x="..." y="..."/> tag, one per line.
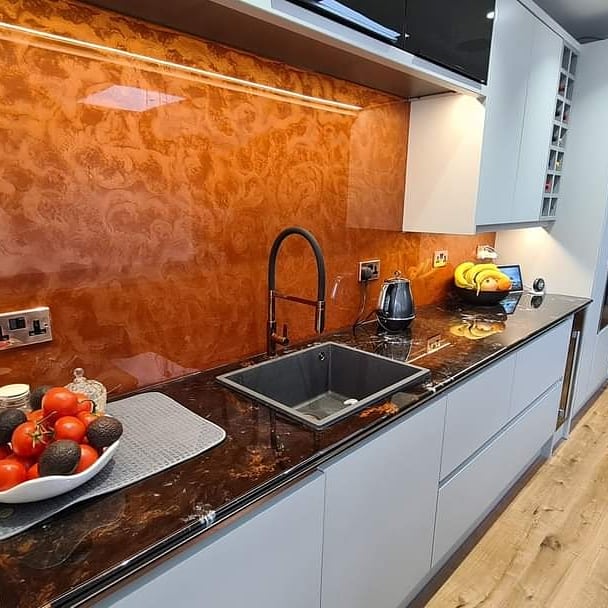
<point x="475" y="412"/>
<point x="271" y="559"/>
<point x="539" y="365"/>
<point x="468" y="496"/>
<point x="380" y="512"/>
<point x="473" y="169"/>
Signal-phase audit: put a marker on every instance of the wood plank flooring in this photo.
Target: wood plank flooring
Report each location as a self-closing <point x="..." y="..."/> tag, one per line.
<point x="549" y="548"/>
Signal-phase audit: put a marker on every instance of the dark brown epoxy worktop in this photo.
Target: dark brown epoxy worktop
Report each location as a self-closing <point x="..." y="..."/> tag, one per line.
<point x="64" y="560"/>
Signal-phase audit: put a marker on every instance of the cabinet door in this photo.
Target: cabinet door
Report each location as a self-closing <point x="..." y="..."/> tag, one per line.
<point x="543" y="78"/>
<point x="505" y="107"/>
<point x="270" y="560"/>
<point x="468" y="496"/>
<point x="380" y="512"/>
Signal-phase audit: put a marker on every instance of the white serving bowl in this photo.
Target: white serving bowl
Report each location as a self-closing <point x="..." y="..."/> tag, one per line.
<point x="54" y="485"/>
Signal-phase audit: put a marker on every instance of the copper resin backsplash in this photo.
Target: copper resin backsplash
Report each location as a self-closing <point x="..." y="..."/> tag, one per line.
<point x="139" y="201"/>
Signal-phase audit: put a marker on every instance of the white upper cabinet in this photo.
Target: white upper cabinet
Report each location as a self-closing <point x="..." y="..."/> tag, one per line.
<point x="476" y="165"/>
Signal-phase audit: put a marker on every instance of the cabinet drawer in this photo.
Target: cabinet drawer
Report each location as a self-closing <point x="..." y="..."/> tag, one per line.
<point x="470" y="495"/>
<point x="539" y="365"/>
<point x="476" y="412"/>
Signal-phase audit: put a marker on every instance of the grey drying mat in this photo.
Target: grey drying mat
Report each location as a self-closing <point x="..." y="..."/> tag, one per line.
<point x="158" y="433"/>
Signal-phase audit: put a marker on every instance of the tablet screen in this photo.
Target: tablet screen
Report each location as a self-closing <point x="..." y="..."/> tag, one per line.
<point x="513" y="271"/>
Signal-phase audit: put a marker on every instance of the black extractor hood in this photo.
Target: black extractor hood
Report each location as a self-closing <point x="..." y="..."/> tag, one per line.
<point x="277" y="32"/>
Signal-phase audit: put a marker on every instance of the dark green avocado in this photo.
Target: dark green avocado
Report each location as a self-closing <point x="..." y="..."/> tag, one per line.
<point x="10" y="419"/>
<point x="60" y="458"/>
<point x="104" y="431"/>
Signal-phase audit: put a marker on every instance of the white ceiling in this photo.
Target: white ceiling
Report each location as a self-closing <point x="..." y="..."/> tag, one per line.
<point x="582" y="18"/>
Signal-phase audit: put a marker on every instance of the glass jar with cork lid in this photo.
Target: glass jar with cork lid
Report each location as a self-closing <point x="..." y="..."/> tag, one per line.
<point x="93" y="389"/>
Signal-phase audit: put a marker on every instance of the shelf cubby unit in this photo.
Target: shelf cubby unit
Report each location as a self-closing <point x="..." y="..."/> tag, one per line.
<point x="559" y="134"/>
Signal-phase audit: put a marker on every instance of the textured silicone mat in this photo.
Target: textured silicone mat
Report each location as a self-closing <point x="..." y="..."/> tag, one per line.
<point x="148" y="420"/>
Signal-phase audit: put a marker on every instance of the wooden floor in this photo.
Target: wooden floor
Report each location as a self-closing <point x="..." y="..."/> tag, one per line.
<point x="549" y="548"/>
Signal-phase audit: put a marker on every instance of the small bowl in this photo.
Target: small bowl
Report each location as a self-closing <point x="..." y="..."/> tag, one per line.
<point x="485" y="298"/>
<point x="54" y="485"/>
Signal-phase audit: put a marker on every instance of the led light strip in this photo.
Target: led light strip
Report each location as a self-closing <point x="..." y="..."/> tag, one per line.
<point x="183" y="68"/>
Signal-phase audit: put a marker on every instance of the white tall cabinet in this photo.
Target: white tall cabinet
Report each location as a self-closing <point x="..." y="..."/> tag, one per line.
<point x="572" y="253"/>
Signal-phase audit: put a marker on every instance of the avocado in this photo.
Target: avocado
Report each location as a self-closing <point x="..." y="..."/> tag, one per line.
<point x="10" y="419"/>
<point x="60" y="458"/>
<point x="104" y="431"/>
<point x="36" y="396"/>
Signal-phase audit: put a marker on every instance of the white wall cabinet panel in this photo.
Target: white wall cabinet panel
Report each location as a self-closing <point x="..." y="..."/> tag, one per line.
<point x="512" y="46"/>
<point x="543" y="81"/>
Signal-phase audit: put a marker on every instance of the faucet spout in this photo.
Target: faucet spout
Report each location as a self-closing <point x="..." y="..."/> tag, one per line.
<point x="272" y="338"/>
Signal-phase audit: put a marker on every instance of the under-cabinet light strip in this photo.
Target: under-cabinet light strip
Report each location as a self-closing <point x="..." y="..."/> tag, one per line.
<point x="178" y="66"/>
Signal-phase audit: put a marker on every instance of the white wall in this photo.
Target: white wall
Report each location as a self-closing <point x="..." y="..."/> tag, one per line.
<point x="571" y="255"/>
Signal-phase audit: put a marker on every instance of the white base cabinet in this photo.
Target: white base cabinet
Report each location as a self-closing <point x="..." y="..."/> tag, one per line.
<point x="467" y="497"/>
<point x="380" y="503"/>
<point x="374" y="523"/>
<point x="269" y="560"/>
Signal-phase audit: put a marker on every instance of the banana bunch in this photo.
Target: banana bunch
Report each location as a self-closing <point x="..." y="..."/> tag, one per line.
<point x="481" y="277"/>
<point x="476" y="330"/>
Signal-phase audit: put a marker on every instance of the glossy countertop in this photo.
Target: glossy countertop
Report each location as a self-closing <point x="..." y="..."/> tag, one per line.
<point x="76" y="553"/>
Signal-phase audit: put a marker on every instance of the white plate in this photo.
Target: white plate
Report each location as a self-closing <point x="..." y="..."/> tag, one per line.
<point x="54" y="485"/>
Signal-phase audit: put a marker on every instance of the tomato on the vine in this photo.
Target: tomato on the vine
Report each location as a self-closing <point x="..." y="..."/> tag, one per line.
<point x="11" y="474"/>
<point x="85" y="404"/>
<point x="35" y="415"/>
<point x="86" y="417"/>
<point x="70" y="427"/>
<point x="32" y="472"/>
<point x="26" y="462"/>
<point x="88" y="455"/>
<point x="60" y="402"/>
<point x="29" y="439"/>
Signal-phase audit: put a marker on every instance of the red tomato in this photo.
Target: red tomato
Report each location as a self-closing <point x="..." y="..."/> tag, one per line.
<point x="29" y="439"/>
<point x="35" y="416"/>
<point x="32" y="472"/>
<point x="85" y="405"/>
<point x="26" y="462"/>
<point x="60" y="401"/>
<point x="69" y="427"/>
<point x="86" y="417"/>
<point x="11" y="474"/>
<point x="88" y="455"/>
<point x="5" y="451"/>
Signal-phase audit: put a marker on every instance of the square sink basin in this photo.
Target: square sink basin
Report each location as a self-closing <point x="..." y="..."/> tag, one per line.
<point x="322" y="384"/>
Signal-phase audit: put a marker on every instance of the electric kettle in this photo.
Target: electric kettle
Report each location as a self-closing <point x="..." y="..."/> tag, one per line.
<point x="395" y="309"/>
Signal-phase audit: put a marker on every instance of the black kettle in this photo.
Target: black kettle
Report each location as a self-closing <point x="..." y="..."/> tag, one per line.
<point x="395" y="310"/>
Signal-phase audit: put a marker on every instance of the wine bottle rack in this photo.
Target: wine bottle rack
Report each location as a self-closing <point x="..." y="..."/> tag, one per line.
<point x="559" y="135"/>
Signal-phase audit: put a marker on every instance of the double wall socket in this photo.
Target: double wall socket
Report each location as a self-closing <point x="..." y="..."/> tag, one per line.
<point x="369" y="271"/>
<point x="25" y="327"/>
<point x="440" y="258"/>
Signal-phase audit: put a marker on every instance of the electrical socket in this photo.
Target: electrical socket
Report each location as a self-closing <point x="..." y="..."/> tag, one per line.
<point x="440" y="258"/>
<point x="25" y="327"/>
<point x="373" y="265"/>
<point x="486" y="252"/>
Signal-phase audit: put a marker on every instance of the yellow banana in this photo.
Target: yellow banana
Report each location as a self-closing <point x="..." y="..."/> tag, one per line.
<point x="469" y="275"/>
<point x="459" y="271"/>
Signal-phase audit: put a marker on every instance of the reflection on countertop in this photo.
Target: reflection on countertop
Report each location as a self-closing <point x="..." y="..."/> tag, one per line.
<point x="261" y="452"/>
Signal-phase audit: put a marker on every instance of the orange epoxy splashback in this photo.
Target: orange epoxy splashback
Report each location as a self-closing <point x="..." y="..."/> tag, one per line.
<point x="139" y="201"/>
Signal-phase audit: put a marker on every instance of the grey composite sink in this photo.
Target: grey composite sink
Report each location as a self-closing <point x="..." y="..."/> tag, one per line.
<point x="322" y="384"/>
